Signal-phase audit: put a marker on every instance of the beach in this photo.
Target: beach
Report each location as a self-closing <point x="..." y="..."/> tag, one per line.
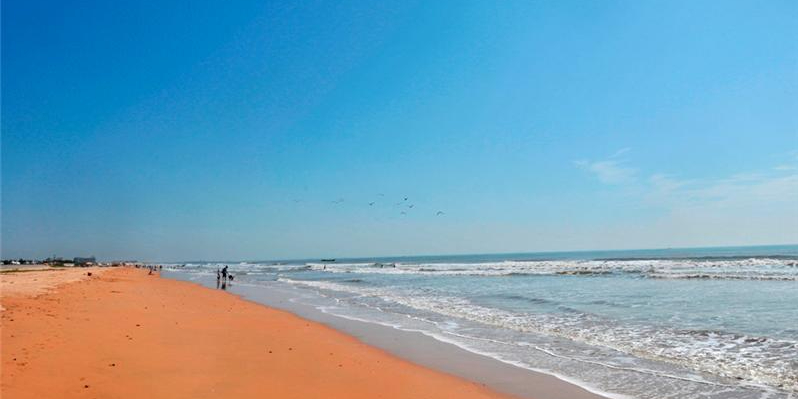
<point x="646" y="324"/>
<point x="121" y="333"/>
<point x="338" y="199"/>
<point x="411" y="328"/>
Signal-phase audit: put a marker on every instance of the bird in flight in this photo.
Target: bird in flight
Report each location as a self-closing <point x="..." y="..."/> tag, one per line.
<point x="411" y="206"/>
<point x="439" y="213"/>
<point x="338" y="201"/>
<point x="404" y="213"/>
<point x="371" y="203"/>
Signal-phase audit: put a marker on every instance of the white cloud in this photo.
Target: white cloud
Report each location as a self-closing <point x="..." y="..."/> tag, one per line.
<point x="662" y="185"/>
<point x="610" y="170"/>
<point x="777" y="184"/>
<point x="759" y="206"/>
<point x="739" y="190"/>
<point x="620" y="152"/>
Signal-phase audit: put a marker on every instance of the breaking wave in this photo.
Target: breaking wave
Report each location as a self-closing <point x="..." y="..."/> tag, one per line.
<point x="775" y="268"/>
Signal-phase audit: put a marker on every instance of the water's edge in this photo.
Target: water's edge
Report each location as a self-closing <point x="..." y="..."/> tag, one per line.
<point x="418" y="347"/>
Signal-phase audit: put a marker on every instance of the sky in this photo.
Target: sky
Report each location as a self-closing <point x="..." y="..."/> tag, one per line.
<point x="248" y="130"/>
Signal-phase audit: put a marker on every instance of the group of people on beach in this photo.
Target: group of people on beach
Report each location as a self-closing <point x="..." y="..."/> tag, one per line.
<point x="222" y="277"/>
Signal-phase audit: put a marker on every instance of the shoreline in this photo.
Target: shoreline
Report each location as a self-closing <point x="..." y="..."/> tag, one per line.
<point x="122" y="333"/>
<point x="419" y="348"/>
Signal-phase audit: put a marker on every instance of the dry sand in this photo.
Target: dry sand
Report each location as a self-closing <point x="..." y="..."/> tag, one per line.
<point x="124" y="334"/>
<point x="32" y="280"/>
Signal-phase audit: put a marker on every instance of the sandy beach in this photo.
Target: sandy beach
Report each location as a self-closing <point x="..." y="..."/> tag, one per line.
<point x="122" y="333"/>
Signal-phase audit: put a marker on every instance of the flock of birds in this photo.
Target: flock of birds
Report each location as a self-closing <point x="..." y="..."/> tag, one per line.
<point x="404" y="205"/>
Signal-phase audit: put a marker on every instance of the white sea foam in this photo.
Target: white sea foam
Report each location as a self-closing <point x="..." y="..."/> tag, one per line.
<point x="747" y="359"/>
<point x="748" y="268"/>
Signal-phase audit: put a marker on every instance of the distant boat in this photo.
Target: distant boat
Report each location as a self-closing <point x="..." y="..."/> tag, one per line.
<point x="328" y="260"/>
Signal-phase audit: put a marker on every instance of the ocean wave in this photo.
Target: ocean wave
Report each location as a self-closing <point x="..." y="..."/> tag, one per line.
<point x="724" y="276"/>
<point x="752" y="360"/>
<point x="522" y="298"/>
<point x="776" y="268"/>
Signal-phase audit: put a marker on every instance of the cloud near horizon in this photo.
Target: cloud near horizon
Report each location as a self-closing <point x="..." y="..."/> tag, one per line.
<point x="764" y="199"/>
<point x="742" y="207"/>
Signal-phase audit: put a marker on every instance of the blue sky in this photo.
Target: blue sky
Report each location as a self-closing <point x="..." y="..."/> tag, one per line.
<point x="195" y="130"/>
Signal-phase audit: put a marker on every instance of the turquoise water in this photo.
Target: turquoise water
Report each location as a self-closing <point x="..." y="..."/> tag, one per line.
<point x="681" y="323"/>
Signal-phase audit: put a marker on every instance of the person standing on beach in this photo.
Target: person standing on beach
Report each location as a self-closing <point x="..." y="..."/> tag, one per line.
<point x="224" y="272"/>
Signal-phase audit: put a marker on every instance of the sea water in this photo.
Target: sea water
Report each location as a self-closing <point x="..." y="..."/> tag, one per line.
<point x="670" y="323"/>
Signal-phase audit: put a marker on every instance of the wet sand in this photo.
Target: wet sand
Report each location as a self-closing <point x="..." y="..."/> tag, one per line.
<point x="417" y="347"/>
<point x="124" y="334"/>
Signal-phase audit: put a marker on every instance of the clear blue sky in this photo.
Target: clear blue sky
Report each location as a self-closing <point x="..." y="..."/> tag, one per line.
<point x="208" y="130"/>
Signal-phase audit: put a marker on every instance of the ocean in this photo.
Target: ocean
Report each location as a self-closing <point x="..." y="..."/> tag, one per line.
<point x="665" y="323"/>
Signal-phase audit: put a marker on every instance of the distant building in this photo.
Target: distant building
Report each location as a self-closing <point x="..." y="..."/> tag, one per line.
<point x="55" y="261"/>
<point x="85" y="261"/>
